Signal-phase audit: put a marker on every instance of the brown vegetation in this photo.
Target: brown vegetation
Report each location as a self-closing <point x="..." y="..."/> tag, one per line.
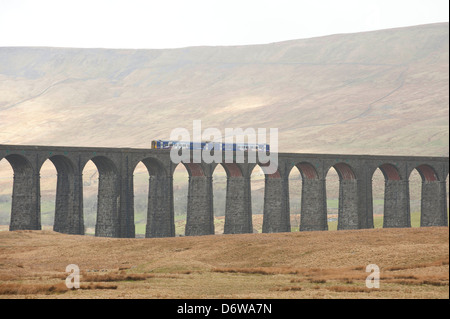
<point x="414" y="263"/>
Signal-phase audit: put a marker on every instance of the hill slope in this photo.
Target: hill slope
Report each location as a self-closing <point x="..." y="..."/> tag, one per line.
<point x="381" y="92"/>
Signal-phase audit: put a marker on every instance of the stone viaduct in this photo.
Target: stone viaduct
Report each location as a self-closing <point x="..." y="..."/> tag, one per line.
<point x="115" y="211"/>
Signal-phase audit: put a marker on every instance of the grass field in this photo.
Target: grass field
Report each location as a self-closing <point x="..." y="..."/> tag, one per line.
<point x="413" y="262"/>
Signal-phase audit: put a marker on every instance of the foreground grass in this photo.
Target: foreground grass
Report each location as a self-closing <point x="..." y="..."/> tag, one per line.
<point x="413" y="264"/>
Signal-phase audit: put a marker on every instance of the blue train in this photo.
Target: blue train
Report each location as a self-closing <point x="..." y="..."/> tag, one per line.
<point x="159" y="144"/>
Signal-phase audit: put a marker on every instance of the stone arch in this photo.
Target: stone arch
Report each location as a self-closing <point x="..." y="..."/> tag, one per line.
<point x="348" y="215"/>
<point x="257" y="191"/>
<point x="25" y="205"/>
<point x="276" y="201"/>
<point x="390" y="172"/>
<point x="194" y="169"/>
<point x="6" y="187"/>
<point x="276" y="174"/>
<point x="108" y="204"/>
<point x="20" y="164"/>
<point x="427" y="173"/>
<point x="154" y="166"/>
<point x="345" y="171"/>
<point x="396" y="198"/>
<point x="159" y="217"/>
<point x="307" y="170"/>
<point x="313" y="212"/>
<point x="63" y="164"/>
<point x="232" y="169"/>
<point x="68" y="217"/>
<point x="433" y="208"/>
<point x="104" y="165"/>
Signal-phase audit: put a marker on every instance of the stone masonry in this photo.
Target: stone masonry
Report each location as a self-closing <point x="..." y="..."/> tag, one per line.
<point x="115" y="211"/>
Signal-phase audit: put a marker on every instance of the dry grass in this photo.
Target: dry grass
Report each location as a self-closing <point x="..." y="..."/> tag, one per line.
<point x="115" y="277"/>
<point x="414" y="263"/>
<point x="31" y="289"/>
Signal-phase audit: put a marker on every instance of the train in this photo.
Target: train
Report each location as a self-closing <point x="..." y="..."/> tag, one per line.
<point x="160" y="144"/>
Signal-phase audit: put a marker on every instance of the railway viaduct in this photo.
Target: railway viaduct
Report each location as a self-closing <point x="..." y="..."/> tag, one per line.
<point x="115" y="212"/>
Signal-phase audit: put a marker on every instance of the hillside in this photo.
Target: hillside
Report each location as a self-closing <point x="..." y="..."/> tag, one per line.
<point x="413" y="263"/>
<point x="381" y="92"/>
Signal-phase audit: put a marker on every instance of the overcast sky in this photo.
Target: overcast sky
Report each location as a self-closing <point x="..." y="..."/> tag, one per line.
<point x="180" y="23"/>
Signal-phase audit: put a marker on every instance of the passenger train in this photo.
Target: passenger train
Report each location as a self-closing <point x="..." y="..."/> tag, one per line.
<point x="159" y="144"/>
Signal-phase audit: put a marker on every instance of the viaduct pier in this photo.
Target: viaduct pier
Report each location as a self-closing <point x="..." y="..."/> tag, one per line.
<point x="115" y="211"/>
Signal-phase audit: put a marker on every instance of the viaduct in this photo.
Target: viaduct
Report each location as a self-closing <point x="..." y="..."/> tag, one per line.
<point x="115" y="211"/>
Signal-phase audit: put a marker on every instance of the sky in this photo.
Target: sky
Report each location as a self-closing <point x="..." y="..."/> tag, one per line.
<point x="148" y="24"/>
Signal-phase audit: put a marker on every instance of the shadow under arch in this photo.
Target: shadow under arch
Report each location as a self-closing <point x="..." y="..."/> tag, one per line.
<point x="25" y="203"/>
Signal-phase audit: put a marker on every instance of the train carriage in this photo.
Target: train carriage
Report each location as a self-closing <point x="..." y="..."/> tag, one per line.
<point x="166" y="144"/>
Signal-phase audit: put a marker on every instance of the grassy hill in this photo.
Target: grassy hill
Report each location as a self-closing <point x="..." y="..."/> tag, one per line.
<point x="381" y="92"/>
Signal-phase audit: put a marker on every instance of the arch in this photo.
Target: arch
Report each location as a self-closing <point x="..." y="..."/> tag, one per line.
<point x="263" y="167"/>
<point x="395" y="205"/>
<point x="348" y="214"/>
<point x="390" y="172"/>
<point x="107" y="221"/>
<point x="232" y="169"/>
<point x="379" y="198"/>
<point x="154" y="166"/>
<point x="344" y="171"/>
<point x="415" y="182"/>
<point x="48" y="191"/>
<point x="295" y="181"/>
<point x="89" y="194"/>
<point x="332" y="197"/>
<point x="427" y="173"/>
<point x="194" y="169"/>
<point x="257" y="193"/>
<point x="180" y="198"/>
<point x="20" y="164"/>
<point x="221" y="184"/>
<point x="272" y="175"/>
<point x="6" y="187"/>
<point x="159" y="218"/>
<point x="104" y="165"/>
<point x="433" y="210"/>
<point x="63" y="164"/>
<point x="313" y="214"/>
<point x="140" y="191"/>
<point x="307" y="170"/>
<point x="25" y="208"/>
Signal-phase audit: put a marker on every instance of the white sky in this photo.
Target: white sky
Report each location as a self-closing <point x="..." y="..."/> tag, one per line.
<point x="151" y="24"/>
